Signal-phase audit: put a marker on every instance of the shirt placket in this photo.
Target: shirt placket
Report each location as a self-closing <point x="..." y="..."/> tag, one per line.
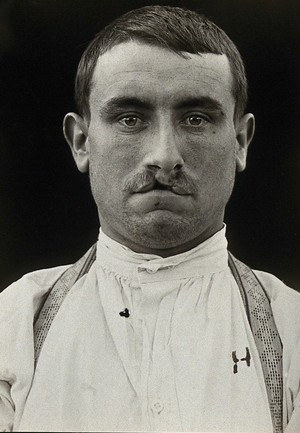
<point x="113" y="302"/>
<point x="157" y="378"/>
<point x="162" y="397"/>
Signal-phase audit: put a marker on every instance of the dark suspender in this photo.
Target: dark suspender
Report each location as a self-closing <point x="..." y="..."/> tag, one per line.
<point x="56" y="296"/>
<point x="257" y="306"/>
<point x="267" y="340"/>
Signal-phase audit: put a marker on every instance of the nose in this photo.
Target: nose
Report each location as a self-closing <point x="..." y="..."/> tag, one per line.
<point x="164" y="152"/>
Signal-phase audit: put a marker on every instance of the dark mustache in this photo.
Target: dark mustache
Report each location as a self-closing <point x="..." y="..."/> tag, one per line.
<point x="148" y="180"/>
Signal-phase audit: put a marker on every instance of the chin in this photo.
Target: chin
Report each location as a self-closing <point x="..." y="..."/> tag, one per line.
<point x="163" y="229"/>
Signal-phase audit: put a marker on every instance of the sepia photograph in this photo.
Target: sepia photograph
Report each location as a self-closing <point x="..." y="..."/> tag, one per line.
<point x="150" y="216"/>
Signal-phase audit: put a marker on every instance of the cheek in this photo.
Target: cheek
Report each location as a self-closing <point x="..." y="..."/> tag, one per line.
<point x="110" y="163"/>
<point x="213" y="155"/>
<point x="113" y="151"/>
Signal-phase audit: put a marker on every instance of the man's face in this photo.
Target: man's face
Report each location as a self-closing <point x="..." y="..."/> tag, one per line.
<point x="161" y="146"/>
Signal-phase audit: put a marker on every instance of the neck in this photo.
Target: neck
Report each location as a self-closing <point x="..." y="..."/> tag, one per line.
<point x="163" y="251"/>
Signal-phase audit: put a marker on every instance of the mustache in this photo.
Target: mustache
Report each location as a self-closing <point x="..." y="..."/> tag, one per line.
<point x="179" y="183"/>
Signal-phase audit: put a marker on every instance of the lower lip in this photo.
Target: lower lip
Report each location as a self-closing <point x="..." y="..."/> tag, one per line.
<point x="164" y="200"/>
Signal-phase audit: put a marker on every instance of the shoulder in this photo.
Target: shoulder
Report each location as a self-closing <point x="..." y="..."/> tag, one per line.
<point x="276" y="286"/>
<point x="28" y="291"/>
<point x="278" y="292"/>
<point x="285" y="303"/>
<point x="18" y="306"/>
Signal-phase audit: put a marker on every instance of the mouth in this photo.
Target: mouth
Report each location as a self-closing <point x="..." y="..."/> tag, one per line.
<point x="162" y="187"/>
<point x="158" y="186"/>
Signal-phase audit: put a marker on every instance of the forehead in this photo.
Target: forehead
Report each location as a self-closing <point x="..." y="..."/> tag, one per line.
<point x="160" y="75"/>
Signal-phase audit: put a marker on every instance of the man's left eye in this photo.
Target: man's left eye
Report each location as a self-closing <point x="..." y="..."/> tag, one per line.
<point x="195" y="120"/>
<point x="129" y="121"/>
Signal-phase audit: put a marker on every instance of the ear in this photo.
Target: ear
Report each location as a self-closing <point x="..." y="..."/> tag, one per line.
<point x="244" y="133"/>
<point x="76" y="134"/>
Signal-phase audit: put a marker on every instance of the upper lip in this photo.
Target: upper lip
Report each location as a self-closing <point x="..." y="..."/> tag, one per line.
<point x="155" y="184"/>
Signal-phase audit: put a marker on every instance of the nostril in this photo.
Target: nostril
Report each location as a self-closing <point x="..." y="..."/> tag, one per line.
<point x="153" y="167"/>
<point x="178" y="167"/>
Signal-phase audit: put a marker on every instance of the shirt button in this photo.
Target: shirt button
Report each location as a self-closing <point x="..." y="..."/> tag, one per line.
<point x="151" y="271"/>
<point x="157" y="406"/>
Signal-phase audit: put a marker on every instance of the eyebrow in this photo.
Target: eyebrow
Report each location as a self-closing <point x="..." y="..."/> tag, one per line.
<point x="123" y="102"/>
<point x="115" y="103"/>
<point x="206" y="102"/>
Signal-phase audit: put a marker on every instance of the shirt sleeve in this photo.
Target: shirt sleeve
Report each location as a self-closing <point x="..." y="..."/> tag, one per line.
<point x="6" y="408"/>
<point x="285" y="304"/>
<point x="293" y="393"/>
<point x="294" y="424"/>
<point x="18" y="306"/>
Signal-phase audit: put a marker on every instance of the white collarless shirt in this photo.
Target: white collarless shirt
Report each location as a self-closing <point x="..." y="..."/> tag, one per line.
<point x="169" y="366"/>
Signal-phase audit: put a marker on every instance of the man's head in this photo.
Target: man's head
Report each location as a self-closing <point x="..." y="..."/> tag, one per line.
<point x="179" y="30"/>
<point x="161" y="94"/>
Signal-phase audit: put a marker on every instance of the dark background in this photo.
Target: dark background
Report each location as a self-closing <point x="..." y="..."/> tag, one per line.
<point x="47" y="216"/>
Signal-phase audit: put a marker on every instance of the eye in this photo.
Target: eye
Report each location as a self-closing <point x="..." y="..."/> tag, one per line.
<point x="129" y="121"/>
<point x="195" y="120"/>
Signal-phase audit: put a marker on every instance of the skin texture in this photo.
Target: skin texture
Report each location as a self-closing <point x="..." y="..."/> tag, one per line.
<point x="161" y="146"/>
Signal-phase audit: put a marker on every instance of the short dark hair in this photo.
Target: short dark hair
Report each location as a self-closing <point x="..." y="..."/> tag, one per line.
<point x="177" y="29"/>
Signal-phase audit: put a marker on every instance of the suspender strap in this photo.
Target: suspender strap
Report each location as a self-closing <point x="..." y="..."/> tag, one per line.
<point x="257" y="306"/>
<point x="267" y="340"/>
<point x="56" y="296"/>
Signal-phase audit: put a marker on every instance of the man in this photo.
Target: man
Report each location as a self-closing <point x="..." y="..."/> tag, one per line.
<point x="151" y="331"/>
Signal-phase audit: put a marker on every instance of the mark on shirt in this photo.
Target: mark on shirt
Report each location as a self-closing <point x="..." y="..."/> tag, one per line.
<point x="125" y="313"/>
<point x="236" y="360"/>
